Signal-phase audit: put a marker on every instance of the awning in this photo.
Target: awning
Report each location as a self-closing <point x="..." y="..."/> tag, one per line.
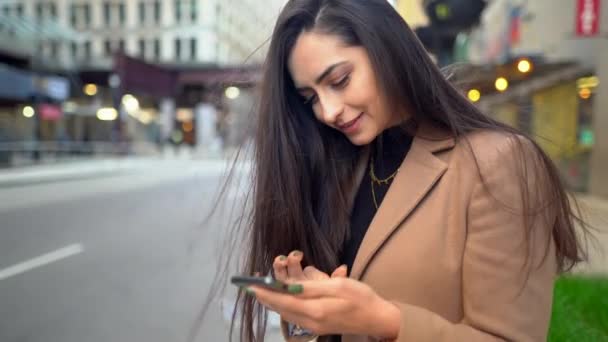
<point x="16" y="84"/>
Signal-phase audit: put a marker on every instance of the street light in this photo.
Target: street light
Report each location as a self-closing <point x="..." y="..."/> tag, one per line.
<point x="28" y="111"/>
<point x="524" y="66"/>
<point x="107" y="114"/>
<point x="232" y="92"/>
<point x="90" y="89"/>
<point x="474" y="95"/>
<point x="501" y="84"/>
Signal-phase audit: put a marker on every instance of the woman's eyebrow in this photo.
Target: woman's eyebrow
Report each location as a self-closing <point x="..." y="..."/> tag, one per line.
<point x="324" y="74"/>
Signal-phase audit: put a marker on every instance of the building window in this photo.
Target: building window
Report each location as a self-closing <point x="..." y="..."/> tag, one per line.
<point x="121" y="45"/>
<point x="87" y="50"/>
<point x="39" y="14"/>
<point x="193" y="49"/>
<point x="142" y="12"/>
<point x="157" y="49"/>
<point x="54" y="49"/>
<point x="178" y="10"/>
<point x="157" y="12"/>
<point x="73" y="15"/>
<point x="74" y="49"/>
<point x="142" y="48"/>
<point x="106" y="13"/>
<point x="53" y="10"/>
<point x="108" y="48"/>
<point x="193" y="10"/>
<point x="6" y="10"/>
<point x="19" y="10"/>
<point x="121" y="13"/>
<point x="87" y="15"/>
<point x="178" y="49"/>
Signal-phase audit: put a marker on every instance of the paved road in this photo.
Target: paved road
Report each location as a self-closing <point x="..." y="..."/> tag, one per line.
<point x="121" y="257"/>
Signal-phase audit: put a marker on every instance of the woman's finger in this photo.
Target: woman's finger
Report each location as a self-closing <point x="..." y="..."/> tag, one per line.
<point x="340" y="272"/>
<point x="311" y="273"/>
<point x="279" y="267"/>
<point x="294" y="266"/>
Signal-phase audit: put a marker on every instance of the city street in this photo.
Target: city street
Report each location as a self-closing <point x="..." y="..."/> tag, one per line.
<point x="122" y="257"/>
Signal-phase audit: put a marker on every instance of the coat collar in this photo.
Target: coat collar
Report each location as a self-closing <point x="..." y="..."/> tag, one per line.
<point x="420" y="170"/>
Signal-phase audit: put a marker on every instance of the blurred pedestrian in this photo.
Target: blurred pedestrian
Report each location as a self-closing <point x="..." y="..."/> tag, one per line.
<point x="394" y="207"/>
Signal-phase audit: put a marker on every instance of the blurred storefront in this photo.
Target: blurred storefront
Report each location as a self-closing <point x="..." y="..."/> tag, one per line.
<point x="537" y="65"/>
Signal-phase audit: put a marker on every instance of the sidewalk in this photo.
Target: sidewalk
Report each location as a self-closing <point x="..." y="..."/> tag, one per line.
<point x="80" y="169"/>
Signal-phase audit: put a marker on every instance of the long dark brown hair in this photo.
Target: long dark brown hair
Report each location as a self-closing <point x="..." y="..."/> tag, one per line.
<point x="303" y="171"/>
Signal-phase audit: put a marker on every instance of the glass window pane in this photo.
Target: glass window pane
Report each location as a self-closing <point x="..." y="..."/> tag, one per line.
<point x="121" y="13"/>
<point x="157" y="11"/>
<point x="156" y="49"/>
<point x="87" y="50"/>
<point x="142" y="48"/>
<point x="142" y="12"/>
<point x="106" y="13"/>
<point x="178" y="48"/>
<point x="193" y="49"/>
<point x="87" y="15"/>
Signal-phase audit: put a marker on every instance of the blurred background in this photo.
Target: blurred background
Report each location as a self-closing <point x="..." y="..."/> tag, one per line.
<point x="118" y="119"/>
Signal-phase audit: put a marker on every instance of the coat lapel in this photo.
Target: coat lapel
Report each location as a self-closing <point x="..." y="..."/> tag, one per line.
<point x="420" y="170"/>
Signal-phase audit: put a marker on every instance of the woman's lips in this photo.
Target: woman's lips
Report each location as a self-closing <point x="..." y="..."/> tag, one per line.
<point x="352" y="125"/>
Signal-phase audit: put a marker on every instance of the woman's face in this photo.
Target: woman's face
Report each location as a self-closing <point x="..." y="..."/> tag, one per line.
<point x="339" y="82"/>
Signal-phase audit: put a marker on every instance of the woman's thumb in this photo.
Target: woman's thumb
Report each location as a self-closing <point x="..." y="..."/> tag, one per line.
<point x="340" y="272"/>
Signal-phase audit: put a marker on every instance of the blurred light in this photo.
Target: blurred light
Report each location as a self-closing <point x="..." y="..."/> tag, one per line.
<point x="524" y="66"/>
<point x="131" y="104"/>
<point x="177" y="137"/>
<point x="90" y="89"/>
<point x="474" y="95"/>
<point x="184" y="114"/>
<point x="28" y="111"/>
<point x="501" y="84"/>
<point x="442" y="11"/>
<point x="144" y="117"/>
<point x="187" y="126"/>
<point x="232" y="92"/>
<point x="584" y="93"/>
<point x="107" y="114"/>
<point x="588" y="82"/>
<point x="69" y="107"/>
<point x="587" y="137"/>
<point x="114" y="81"/>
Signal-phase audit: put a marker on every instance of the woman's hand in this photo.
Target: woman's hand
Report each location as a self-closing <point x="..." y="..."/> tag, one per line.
<point x="288" y="269"/>
<point x="334" y="306"/>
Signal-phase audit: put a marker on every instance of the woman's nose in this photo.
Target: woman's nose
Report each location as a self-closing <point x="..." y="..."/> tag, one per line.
<point x="331" y="109"/>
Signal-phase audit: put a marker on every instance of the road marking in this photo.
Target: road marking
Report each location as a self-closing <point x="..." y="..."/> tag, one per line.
<point x="42" y="260"/>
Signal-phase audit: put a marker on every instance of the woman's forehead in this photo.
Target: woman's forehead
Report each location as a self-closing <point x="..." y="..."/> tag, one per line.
<point x="313" y="53"/>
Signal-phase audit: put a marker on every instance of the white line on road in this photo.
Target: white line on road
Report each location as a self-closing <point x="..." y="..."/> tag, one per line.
<point x="42" y="260"/>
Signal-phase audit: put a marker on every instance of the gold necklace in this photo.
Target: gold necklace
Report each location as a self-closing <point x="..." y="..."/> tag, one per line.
<point x="375" y="179"/>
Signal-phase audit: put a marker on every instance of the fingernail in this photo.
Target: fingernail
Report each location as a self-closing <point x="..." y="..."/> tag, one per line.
<point x="249" y="291"/>
<point x="282" y="258"/>
<point x="295" y="288"/>
<point x="296" y="253"/>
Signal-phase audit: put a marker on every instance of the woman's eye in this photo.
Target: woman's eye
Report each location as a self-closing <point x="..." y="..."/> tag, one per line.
<point x="310" y="100"/>
<point x="342" y="82"/>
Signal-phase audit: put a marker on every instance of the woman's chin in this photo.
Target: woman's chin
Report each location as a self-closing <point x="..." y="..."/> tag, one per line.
<point x="361" y="138"/>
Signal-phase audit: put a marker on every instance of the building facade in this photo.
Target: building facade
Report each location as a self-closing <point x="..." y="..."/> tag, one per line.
<point x="159" y="31"/>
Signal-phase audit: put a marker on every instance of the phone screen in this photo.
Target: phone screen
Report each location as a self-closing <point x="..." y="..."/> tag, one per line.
<point x="267" y="282"/>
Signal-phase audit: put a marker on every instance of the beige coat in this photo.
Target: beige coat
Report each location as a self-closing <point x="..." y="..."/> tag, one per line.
<point x="449" y="255"/>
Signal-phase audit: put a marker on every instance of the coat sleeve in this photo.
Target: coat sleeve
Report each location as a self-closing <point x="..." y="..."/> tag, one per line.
<point x="507" y="283"/>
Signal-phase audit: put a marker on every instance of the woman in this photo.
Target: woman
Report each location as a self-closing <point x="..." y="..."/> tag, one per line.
<point x="395" y="209"/>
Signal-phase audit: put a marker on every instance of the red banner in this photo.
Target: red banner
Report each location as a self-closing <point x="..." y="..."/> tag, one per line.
<point x="587" y="18"/>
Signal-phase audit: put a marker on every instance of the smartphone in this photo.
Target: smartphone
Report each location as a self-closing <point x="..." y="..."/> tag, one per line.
<point x="267" y="282"/>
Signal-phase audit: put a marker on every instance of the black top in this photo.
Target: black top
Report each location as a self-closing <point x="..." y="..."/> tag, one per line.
<point x="389" y="151"/>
